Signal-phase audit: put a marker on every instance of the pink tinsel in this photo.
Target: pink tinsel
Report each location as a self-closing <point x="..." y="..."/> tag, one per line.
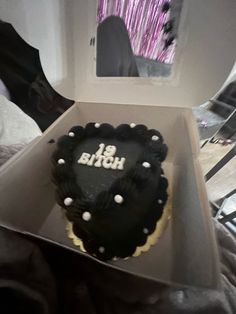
<point x="144" y="20"/>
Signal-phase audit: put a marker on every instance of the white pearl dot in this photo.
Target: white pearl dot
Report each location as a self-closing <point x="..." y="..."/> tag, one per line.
<point x="68" y="201"/>
<point x="71" y="134"/>
<point x="160" y="201"/>
<point x="132" y="125"/>
<point x="101" y="249"/>
<point x="145" y="230"/>
<point x="155" y="138"/>
<point x="146" y="164"/>
<point x="97" y="125"/>
<point x="61" y="161"/>
<point x="86" y="216"/>
<point x="118" y="199"/>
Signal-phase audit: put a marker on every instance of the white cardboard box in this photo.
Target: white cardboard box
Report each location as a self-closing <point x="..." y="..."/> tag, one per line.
<point x="186" y="254"/>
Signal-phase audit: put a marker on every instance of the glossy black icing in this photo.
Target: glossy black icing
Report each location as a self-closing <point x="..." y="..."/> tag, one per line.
<point x="118" y="228"/>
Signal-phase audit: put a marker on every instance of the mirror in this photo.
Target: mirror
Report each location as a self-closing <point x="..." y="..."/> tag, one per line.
<point x="137" y="38"/>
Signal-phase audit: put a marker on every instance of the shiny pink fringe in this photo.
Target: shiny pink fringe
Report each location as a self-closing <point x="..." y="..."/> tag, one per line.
<point x="144" y="20"/>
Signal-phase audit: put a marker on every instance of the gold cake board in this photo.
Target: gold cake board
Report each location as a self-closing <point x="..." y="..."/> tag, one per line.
<point x="151" y="239"/>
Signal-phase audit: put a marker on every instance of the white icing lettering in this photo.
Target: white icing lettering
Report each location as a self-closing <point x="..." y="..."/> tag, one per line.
<point x="91" y="160"/>
<point x="118" y="163"/>
<point x="84" y="158"/>
<point x="103" y="158"/>
<point x="107" y="162"/>
<point x="98" y="163"/>
<point x="100" y="150"/>
<point x="110" y="150"/>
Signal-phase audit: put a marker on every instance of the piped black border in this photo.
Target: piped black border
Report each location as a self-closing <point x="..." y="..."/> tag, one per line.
<point x="131" y="183"/>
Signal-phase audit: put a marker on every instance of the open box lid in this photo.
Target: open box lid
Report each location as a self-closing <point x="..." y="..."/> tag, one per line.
<point x="204" y="56"/>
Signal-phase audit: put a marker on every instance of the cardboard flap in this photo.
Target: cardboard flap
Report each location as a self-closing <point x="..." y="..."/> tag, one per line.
<point x="204" y="57"/>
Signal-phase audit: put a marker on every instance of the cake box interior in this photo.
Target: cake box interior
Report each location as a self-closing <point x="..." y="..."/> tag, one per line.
<point x="186" y="254"/>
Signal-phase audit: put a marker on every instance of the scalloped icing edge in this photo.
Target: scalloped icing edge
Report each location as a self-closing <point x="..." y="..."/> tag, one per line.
<point x="152" y="239"/>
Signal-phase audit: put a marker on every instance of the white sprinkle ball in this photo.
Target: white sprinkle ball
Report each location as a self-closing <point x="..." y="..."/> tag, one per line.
<point x="132" y="125"/>
<point x="97" y="125"/>
<point x="61" y="161"/>
<point x="160" y="201"/>
<point x="68" y="201"/>
<point x="118" y="199"/>
<point x="101" y="249"/>
<point x="146" y="164"/>
<point x="155" y="138"/>
<point x="71" y="134"/>
<point x="86" y="216"/>
<point x="145" y="230"/>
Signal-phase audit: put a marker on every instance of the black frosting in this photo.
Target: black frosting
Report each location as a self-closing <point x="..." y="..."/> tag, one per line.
<point x="116" y="228"/>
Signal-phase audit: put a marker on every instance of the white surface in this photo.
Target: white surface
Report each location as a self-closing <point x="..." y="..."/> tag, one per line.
<point x="15" y="126"/>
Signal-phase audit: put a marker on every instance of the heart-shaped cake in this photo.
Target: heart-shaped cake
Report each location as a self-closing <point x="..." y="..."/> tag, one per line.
<point x="111" y="185"/>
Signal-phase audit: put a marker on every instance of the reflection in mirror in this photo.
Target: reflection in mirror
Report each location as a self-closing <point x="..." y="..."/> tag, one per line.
<point x="136" y="37"/>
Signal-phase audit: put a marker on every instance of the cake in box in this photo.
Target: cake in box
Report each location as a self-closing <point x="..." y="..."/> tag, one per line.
<point x="112" y="187"/>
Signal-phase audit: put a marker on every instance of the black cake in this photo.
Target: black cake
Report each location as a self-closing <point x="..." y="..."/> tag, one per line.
<point x="111" y="185"/>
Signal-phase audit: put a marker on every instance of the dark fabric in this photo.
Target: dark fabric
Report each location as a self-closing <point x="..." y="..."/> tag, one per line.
<point x="90" y="288"/>
<point x="21" y="72"/>
<point x="114" y="52"/>
<point x="83" y="286"/>
<point x="26" y="283"/>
